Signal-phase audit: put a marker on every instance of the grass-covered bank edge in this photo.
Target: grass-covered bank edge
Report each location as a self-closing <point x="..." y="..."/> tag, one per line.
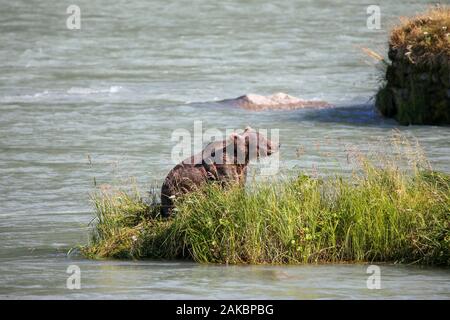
<point x="380" y="213"/>
<point x="416" y="84"/>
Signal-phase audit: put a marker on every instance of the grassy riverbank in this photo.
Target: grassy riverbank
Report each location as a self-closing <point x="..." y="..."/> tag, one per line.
<point x="379" y="213"/>
<point x="417" y="81"/>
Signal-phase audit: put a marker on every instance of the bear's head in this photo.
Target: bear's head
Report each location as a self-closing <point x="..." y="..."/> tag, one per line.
<point x="257" y="144"/>
<point x="251" y="145"/>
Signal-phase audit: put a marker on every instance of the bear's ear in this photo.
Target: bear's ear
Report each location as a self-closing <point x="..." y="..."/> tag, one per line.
<point x="248" y="128"/>
<point x="234" y="136"/>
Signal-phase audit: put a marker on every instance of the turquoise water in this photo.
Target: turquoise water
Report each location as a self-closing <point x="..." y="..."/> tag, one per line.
<point x="101" y="102"/>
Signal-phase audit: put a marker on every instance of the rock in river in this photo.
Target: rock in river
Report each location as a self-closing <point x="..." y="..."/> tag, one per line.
<point x="277" y="101"/>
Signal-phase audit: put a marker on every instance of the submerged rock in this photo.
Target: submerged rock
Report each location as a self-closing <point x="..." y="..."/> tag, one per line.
<point x="277" y="101"/>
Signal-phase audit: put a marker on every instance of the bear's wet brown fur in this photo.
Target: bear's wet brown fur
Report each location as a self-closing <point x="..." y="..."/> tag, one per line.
<point x="221" y="161"/>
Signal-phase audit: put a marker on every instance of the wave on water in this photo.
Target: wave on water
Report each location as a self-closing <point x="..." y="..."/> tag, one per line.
<point x="83" y="91"/>
<point x="57" y="94"/>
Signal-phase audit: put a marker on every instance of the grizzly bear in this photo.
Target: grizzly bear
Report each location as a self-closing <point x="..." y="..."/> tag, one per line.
<point x="222" y="161"/>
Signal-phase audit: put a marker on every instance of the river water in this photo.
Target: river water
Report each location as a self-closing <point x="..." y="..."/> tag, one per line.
<point x="102" y="102"/>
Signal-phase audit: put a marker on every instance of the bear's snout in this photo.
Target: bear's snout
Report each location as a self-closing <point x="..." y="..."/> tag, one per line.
<point x="271" y="150"/>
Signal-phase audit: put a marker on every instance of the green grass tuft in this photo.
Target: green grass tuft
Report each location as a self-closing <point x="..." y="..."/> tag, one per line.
<point x="425" y="38"/>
